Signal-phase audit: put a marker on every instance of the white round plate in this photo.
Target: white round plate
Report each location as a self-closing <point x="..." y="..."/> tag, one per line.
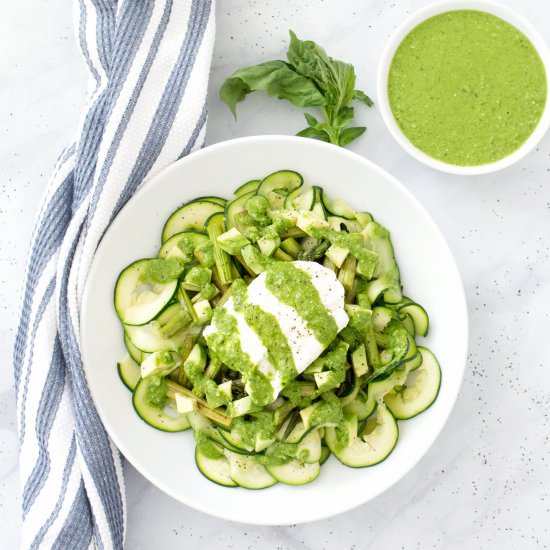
<point x="429" y="276"/>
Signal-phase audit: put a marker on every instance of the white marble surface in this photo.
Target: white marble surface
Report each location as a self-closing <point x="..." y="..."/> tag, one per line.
<point x="486" y="481"/>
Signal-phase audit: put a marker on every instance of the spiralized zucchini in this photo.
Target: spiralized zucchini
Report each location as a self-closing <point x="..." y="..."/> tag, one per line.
<point x="346" y="402"/>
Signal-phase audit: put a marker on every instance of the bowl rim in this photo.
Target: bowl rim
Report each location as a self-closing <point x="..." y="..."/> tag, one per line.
<point x="461" y="350"/>
<point x="422" y="15"/>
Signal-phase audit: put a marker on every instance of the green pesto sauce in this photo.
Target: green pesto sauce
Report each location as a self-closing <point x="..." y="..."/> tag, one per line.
<point x="204" y="386"/>
<point x="205" y="254"/>
<point x="198" y="275"/>
<point x="335" y="362"/>
<point x="225" y="344"/>
<point x="360" y="319"/>
<point x="367" y="259"/>
<point x="207" y="447"/>
<point x="467" y="88"/>
<point x="186" y="245"/>
<point x="193" y="372"/>
<point x="258" y="426"/>
<point x="342" y="435"/>
<point x="261" y="389"/>
<point x="278" y="453"/>
<point x="252" y="233"/>
<point x="266" y="326"/>
<point x="162" y="270"/>
<point x="293" y="392"/>
<point x="258" y="209"/>
<point x="156" y="391"/>
<point x="208" y="291"/>
<point x="328" y="411"/>
<point x="294" y="287"/>
<point x="214" y="396"/>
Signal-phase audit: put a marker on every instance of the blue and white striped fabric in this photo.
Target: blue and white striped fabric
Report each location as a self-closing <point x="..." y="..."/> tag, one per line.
<point x="149" y="61"/>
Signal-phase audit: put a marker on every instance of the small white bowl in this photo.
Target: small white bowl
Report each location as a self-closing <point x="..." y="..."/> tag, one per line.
<point x="384" y="68"/>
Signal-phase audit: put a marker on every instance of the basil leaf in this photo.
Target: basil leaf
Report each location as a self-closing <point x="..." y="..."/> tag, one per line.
<point x="363" y="98"/>
<point x="344" y="116"/>
<point x="344" y="82"/>
<point x="349" y="134"/>
<point x="232" y="91"/>
<point x="335" y="78"/>
<point x="314" y="134"/>
<point x="275" y="78"/>
<point x="310" y="119"/>
<point x="308" y="59"/>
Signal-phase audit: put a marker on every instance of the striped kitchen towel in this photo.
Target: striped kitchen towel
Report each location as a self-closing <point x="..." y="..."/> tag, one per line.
<point x="149" y="62"/>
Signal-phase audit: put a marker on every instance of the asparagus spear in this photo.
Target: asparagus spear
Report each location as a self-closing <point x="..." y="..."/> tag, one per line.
<point x="214" y="228"/>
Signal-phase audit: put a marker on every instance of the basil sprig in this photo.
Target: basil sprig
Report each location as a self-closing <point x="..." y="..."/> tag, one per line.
<point x="310" y="78"/>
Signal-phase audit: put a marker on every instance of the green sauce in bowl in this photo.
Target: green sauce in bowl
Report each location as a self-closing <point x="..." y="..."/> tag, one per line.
<point x="467" y="88"/>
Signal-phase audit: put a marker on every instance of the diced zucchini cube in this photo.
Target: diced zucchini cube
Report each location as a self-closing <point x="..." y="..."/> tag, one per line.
<point x="226" y="389"/>
<point x="196" y="359"/>
<point x="322" y="378"/>
<point x="160" y="363"/>
<point x="353" y="310"/>
<point x="337" y="254"/>
<point x="381" y="316"/>
<point x="198" y="276"/>
<point x="254" y="259"/>
<point x="148" y="366"/>
<point x="316" y="366"/>
<point x="366" y="266"/>
<point x="307" y="221"/>
<point x="289" y="216"/>
<point x="268" y="245"/>
<point x="185" y="404"/>
<point x="214" y="397"/>
<point x="232" y="241"/>
<point x="326" y="380"/>
<point x="306" y="415"/>
<point x="359" y="361"/>
<point x="240" y="407"/>
<point x="203" y="309"/>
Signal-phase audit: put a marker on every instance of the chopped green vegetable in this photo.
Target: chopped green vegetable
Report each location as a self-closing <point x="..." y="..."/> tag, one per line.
<point x="187" y="247"/>
<point x="204" y="253"/>
<point x="156" y="391"/>
<point x="233" y="241"/>
<point x="258" y="209"/>
<point x="198" y="276"/>
<point x="208" y="291"/>
<point x="214" y="228"/>
<point x="208" y="447"/>
<point x="163" y="270"/>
